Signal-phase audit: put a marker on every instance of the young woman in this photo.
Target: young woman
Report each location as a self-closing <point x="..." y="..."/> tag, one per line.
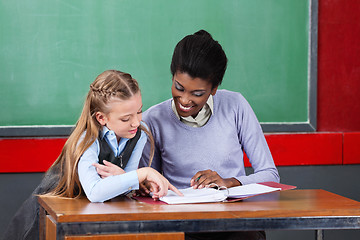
<point x="109" y="129"/>
<point x="201" y="134"/>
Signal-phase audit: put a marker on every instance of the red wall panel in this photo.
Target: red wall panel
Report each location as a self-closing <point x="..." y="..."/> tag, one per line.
<point x="352" y="148"/>
<point x="306" y="149"/>
<point x="29" y="155"/>
<point x="339" y="65"/>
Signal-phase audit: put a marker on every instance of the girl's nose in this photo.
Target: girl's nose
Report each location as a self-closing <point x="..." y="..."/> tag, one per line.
<point x="136" y="122"/>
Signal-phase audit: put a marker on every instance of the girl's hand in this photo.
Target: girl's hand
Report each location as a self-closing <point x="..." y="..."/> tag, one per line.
<point x="144" y="189"/>
<point x="204" y="178"/>
<point x="109" y="169"/>
<point x="159" y="184"/>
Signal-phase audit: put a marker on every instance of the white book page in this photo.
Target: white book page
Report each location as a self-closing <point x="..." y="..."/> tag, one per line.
<point x="194" y="196"/>
<point x="250" y="190"/>
<point x="213" y="195"/>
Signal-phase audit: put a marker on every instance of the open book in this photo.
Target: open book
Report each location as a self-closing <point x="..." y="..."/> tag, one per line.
<point x="210" y="194"/>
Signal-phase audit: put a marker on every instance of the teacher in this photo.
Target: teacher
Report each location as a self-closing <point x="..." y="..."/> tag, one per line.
<point x="201" y="134"/>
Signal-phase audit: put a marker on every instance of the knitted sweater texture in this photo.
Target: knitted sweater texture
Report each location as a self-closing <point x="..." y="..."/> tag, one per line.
<point x="181" y="151"/>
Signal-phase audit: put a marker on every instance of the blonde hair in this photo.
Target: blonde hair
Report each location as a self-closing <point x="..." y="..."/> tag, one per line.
<point x="107" y="86"/>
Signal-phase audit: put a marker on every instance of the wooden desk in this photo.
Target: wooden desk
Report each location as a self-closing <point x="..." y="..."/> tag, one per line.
<point x="293" y="209"/>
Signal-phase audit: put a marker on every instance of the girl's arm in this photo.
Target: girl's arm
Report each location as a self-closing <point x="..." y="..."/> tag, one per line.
<point x="99" y="189"/>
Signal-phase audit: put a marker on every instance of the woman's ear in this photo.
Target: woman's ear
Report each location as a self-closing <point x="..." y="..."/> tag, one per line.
<point x="213" y="91"/>
<point x="101" y="118"/>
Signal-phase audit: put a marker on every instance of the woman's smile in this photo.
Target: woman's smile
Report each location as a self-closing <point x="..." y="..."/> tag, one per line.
<point x="184" y="108"/>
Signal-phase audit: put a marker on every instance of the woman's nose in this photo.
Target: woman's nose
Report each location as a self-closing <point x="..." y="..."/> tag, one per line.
<point x="184" y="99"/>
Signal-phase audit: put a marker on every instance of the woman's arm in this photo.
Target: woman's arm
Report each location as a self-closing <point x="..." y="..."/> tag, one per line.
<point x="252" y="139"/>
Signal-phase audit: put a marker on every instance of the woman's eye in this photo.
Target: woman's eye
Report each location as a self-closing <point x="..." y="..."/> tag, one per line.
<point x="178" y="87"/>
<point x="198" y="94"/>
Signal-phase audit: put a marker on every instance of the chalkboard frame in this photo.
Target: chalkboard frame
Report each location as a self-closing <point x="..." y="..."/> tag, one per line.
<point x="309" y="126"/>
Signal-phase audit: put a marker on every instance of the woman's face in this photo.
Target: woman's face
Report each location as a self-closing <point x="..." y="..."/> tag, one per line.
<point x="190" y="94"/>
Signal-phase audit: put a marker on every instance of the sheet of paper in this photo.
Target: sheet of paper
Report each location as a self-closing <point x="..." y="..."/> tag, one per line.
<point x="250" y="190"/>
<point x="194" y="196"/>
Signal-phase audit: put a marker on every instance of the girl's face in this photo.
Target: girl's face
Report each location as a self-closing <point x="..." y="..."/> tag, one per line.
<point x="190" y="94"/>
<point x="124" y="117"/>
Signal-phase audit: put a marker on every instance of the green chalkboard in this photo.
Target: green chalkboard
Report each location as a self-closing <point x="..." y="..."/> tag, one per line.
<point x="50" y="51"/>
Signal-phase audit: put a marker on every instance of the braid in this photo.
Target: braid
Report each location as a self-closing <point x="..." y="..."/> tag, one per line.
<point x="102" y="92"/>
<point x="108" y="85"/>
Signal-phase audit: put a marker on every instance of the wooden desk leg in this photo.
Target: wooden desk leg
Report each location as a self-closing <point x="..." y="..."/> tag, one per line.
<point x="42" y="219"/>
<point x="319" y="234"/>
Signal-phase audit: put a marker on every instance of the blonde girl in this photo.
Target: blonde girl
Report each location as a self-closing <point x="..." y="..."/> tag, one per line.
<point x="111" y="117"/>
<point x="113" y="109"/>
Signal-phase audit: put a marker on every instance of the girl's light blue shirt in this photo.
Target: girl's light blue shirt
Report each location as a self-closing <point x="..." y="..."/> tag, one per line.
<point x="99" y="189"/>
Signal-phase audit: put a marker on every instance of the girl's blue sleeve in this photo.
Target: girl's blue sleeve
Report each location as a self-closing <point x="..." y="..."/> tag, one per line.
<point x="99" y="189"/>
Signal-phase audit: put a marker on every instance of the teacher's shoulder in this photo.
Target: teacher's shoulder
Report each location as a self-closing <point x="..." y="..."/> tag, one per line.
<point x="231" y="98"/>
<point x="156" y="111"/>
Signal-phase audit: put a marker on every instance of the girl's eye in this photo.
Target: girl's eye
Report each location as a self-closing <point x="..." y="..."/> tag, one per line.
<point x="125" y="119"/>
<point x="140" y="112"/>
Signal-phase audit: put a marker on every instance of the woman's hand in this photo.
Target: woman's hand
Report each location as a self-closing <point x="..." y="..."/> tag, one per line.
<point x="204" y="178"/>
<point x="158" y="183"/>
<point x="108" y="169"/>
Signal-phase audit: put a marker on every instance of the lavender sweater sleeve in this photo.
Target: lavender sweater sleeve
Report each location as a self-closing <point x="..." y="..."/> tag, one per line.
<point x="254" y="144"/>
